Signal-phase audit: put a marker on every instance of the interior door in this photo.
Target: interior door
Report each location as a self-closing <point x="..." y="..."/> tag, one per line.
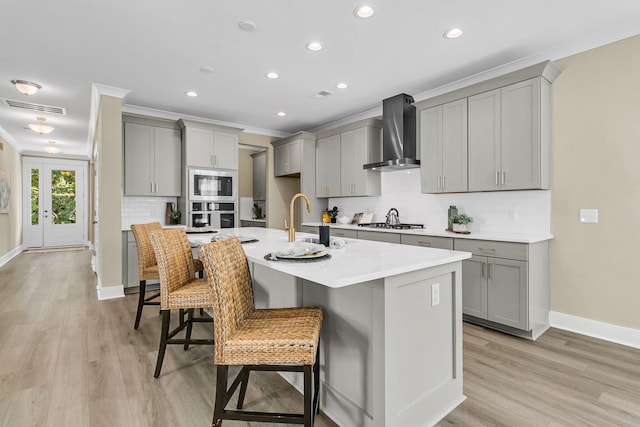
<point x="54" y="203"/>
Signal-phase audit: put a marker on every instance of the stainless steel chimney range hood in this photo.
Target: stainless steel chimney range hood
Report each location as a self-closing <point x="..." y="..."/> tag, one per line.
<point x="398" y="135"/>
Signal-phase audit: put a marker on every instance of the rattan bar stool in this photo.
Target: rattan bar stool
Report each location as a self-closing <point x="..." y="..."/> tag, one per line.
<point x="284" y="339"/>
<point x="179" y="289"/>
<point x="148" y="267"/>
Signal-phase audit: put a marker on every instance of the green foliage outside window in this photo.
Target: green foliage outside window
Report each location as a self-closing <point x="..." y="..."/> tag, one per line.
<point x="63" y="196"/>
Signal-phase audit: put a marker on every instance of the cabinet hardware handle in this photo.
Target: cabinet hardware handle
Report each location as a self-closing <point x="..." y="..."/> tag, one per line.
<point x="444" y="181"/>
<point x="497" y="177"/>
<point x="215" y="160"/>
<point x="211" y="160"/>
<point x="424" y="243"/>
<point x="483" y="269"/>
<point x="490" y="271"/>
<point x="504" y="177"/>
<point x="439" y="182"/>
<point x="487" y="249"/>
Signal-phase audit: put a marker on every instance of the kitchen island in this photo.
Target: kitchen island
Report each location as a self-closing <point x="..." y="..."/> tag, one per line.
<point x="391" y="345"/>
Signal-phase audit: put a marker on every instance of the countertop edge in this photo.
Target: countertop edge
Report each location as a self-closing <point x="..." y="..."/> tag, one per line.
<point x="495" y="236"/>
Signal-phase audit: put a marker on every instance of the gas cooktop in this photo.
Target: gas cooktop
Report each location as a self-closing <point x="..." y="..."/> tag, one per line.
<point x="394" y="226"/>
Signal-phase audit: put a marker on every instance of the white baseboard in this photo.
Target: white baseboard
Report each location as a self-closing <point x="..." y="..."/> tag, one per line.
<point x="109" y="292"/>
<point x="593" y="328"/>
<point x="10" y="255"/>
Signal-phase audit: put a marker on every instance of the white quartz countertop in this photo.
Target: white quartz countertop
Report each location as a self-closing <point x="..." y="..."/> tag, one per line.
<point x="480" y="235"/>
<point x="358" y="261"/>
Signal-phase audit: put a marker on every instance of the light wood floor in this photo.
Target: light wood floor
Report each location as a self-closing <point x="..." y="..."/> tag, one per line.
<point x="67" y="359"/>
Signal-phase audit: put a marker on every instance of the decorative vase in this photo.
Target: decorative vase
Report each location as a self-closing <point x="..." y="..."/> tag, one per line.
<point x="459" y="227"/>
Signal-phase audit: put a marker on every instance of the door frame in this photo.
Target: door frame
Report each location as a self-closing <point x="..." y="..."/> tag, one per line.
<point x="82" y="197"/>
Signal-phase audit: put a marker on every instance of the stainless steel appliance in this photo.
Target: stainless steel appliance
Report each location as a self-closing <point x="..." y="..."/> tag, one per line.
<point x="212" y="214"/>
<point x="393" y="217"/>
<point x="212" y="185"/>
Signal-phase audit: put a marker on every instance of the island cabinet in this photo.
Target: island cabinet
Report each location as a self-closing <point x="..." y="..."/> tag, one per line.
<point x="210" y="146"/>
<point x="259" y="161"/>
<point x="287" y="158"/>
<point x="152" y="159"/>
<point x="509" y="137"/>
<point x="340" y="155"/>
<point x="505" y="286"/>
<point x="443" y="140"/>
<point x="130" y="263"/>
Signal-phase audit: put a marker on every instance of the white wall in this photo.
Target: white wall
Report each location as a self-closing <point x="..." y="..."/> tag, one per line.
<point x="504" y="211"/>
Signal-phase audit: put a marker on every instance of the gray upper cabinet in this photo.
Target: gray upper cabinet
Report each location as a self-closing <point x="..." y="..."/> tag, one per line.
<point x="287" y="158"/>
<point x="503" y="134"/>
<point x="209" y="146"/>
<point x="152" y="160"/>
<point x="328" y="166"/>
<point x="443" y="144"/>
<point x="259" y="175"/>
<point x="509" y="137"/>
<point x="340" y="155"/>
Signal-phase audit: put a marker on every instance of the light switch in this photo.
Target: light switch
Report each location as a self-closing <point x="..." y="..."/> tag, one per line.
<point x="589" y="216"/>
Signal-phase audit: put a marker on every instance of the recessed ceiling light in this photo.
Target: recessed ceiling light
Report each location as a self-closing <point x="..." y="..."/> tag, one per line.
<point x="364" y="11"/>
<point x="272" y="75"/>
<point x="25" y="87"/>
<point x="452" y="33"/>
<point x="342" y="85"/>
<point x="247" y="25"/>
<point x="206" y="69"/>
<point x="281" y="113"/>
<point x="191" y="93"/>
<point x="314" y="46"/>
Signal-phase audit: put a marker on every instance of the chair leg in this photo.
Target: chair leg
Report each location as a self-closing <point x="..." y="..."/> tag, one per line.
<point x="308" y="406"/>
<point x="222" y="373"/>
<point x="189" y="326"/>
<point x="143" y="288"/>
<point x="243" y="387"/>
<point x="164" y="336"/>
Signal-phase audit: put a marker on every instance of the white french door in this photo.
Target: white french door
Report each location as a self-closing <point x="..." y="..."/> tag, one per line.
<point x="54" y="203"/>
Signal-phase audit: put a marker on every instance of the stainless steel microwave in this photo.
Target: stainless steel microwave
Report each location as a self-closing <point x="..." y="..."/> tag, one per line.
<point x="212" y="185"/>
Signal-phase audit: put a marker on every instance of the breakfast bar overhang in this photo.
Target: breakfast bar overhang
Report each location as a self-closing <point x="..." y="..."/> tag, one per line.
<point x="391" y="346"/>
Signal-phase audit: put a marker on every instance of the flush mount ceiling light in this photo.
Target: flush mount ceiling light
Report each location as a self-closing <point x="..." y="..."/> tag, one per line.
<point x="51" y="148"/>
<point x="314" y="46"/>
<point x="191" y="93"/>
<point x="452" y="33"/>
<point x="364" y="11"/>
<point x="25" y="87"/>
<point x="247" y="26"/>
<point x="272" y="75"/>
<point x="342" y="85"/>
<point x="281" y="113"/>
<point x="40" y="127"/>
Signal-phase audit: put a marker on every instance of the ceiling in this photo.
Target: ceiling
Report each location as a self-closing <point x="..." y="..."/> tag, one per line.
<point x="155" y="50"/>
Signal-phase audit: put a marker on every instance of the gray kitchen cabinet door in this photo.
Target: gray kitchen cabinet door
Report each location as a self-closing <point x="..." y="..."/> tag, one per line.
<point x="225" y="150"/>
<point x="259" y="161"/>
<point x="379" y="236"/>
<point x="443" y="139"/>
<point x="521" y="135"/>
<point x="287" y="158"/>
<point x="474" y="287"/>
<point x="167" y="154"/>
<point x="484" y="141"/>
<point x="199" y="147"/>
<point x="138" y="160"/>
<point x="507" y="298"/>
<point x="357" y="148"/>
<point x="328" y="166"/>
<point x="431" y="149"/>
<point x="427" y="241"/>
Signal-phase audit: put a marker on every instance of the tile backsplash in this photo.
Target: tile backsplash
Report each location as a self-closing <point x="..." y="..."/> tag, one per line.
<point x="141" y="210"/>
<point x="499" y="211"/>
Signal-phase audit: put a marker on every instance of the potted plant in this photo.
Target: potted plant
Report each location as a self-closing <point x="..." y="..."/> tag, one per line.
<point x="174" y="217"/>
<point x="460" y="221"/>
<point x="333" y="213"/>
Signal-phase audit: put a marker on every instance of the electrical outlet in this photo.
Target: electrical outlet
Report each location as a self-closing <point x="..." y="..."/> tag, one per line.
<point x="435" y="294"/>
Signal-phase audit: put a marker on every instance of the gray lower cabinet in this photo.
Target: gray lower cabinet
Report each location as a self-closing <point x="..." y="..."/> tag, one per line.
<point x="505" y="286"/>
<point x="379" y="236"/>
<point x="309" y="229"/>
<point x="427" y="241"/>
<point x="130" y="262"/>
<point x="337" y="232"/>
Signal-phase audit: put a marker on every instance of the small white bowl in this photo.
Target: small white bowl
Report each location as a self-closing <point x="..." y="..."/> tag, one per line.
<point x="343" y="219"/>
